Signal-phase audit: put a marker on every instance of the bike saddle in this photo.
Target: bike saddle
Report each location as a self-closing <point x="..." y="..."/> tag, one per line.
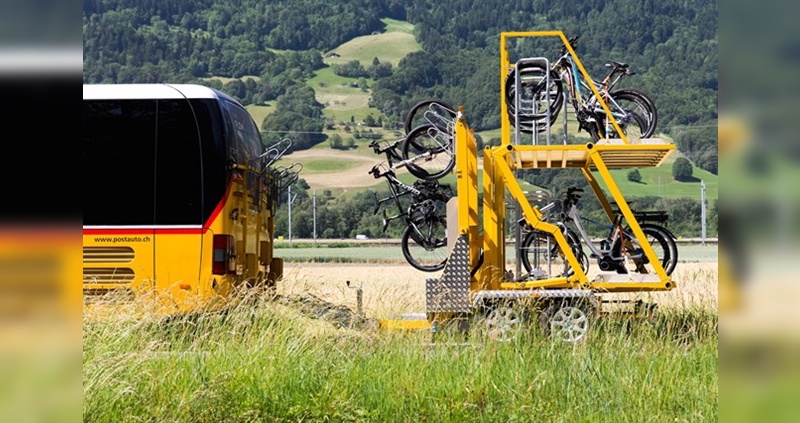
<point x="616" y="64"/>
<point x="376" y="170"/>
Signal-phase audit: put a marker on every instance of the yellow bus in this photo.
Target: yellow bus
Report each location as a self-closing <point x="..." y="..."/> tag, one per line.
<point x="178" y="196"/>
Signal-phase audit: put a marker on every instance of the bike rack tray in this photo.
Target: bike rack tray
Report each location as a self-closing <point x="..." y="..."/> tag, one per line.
<point x="615" y="156"/>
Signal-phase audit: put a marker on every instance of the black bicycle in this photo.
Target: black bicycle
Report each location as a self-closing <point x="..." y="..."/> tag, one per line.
<point x="424" y="239"/>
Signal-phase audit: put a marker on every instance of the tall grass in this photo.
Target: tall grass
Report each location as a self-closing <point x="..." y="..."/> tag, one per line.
<point x="261" y="360"/>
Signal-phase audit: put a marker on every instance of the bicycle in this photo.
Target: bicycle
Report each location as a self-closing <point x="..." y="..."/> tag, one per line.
<point x="438" y="120"/>
<point x="541" y="98"/>
<point x="431" y="111"/>
<point x="619" y="246"/>
<point x="424" y="239"/>
<point x="425" y="151"/>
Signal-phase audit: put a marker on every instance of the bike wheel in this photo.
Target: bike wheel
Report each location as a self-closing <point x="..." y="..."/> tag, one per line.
<point x="424" y="244"/>
<point x="638" y="116"/>
<point x="431" y="150"/>
<point x="671" y="245"/>
<point x="540" y="251"/>
<point x="540" y="103"/>
<point x="663" y="245"/>
<point x="430" y="112"/>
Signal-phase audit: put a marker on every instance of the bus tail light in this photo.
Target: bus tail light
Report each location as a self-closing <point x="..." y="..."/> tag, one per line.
<point x="224" y="255"/>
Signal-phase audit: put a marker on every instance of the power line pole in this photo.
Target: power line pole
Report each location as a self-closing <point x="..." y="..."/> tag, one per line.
<point x="703" y="212"/>
<point x="314" y="212"/>
<point x="289" y="201"/>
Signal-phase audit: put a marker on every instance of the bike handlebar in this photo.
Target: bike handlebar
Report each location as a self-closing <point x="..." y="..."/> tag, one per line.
<point x="572" y="195"/>
<point x="572" y="41"/>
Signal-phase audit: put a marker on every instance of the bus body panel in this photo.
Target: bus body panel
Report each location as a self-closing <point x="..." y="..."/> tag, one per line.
<point x="118" y="260"/>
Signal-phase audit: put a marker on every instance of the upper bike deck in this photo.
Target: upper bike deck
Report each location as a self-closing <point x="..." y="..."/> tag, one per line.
<point x="615" y="154"/>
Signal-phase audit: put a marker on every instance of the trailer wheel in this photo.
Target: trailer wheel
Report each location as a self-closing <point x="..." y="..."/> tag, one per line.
<point x="503" y="322"/>
<point x="567" y="321"/>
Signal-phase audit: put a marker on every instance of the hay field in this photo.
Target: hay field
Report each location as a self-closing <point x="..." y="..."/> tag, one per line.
<point x="393" y="289"/>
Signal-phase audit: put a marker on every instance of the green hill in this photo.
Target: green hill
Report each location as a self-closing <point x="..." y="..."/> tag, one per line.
<point x="390" y="46"/>
<point x="342" y="97"/>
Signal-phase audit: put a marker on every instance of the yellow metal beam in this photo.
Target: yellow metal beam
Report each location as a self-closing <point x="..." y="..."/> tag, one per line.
<point x="493" y="238"/>
<point x="601" y="196"/>
<point x="545" y="283"/>
<point x="634" y="224"/>
<point x="532" y="215"/>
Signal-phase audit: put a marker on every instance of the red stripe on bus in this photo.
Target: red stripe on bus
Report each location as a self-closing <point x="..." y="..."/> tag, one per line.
<point x="144" y="231"/>
<point x="220" y="206"/>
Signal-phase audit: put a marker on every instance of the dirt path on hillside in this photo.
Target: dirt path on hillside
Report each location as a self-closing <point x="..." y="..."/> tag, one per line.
<point x="357" y="176"/>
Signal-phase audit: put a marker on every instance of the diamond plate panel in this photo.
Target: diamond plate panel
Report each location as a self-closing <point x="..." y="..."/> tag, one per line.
<point x="450" y="293"/>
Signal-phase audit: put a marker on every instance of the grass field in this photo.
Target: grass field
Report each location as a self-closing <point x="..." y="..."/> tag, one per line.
<point x="327" y="165"/>
<point x="658" y="181"/>
<point x="342" y="100"/>
<point x="270" y="359"/>
<point x="390" y="46"/>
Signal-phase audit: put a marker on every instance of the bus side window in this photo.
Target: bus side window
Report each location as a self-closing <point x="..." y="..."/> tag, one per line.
<point x="245" y="144"/>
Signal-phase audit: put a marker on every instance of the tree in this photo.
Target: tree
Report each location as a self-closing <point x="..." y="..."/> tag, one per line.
<point x="682" y="169"/>
<point x="336" y="141"/>
<point x="635" y="176"/>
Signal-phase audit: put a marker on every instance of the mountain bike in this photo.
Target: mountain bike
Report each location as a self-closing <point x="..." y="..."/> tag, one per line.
<point x="541" y="98"/>
<point x="424" y="239"/>
<point x="611" y="253"/>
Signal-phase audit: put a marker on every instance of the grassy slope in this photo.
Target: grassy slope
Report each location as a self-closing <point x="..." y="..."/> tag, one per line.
<point x="390" y="46"/>
<point x="260" y="112"/>
<point x="342" y="100"/>
<point x="656" y="181"/>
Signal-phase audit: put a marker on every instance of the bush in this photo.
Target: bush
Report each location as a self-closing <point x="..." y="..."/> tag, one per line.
<point x="682" y="169"/>
<point x="635" y="176"/>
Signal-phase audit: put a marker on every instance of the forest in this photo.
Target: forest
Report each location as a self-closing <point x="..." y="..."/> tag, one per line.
<point x="671" y="44"/>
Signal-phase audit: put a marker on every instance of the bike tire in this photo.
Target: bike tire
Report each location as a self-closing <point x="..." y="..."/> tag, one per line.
<point x="430" y="111"/>
<point x="424" y="244"/>
<point x="641" y="122"/>
<point x="427" y="139"/>
<point x="532" y="89"/>
<point x="673" y="246"/>
<point x="662" y="243"/>
<point x="532" y="254"/>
